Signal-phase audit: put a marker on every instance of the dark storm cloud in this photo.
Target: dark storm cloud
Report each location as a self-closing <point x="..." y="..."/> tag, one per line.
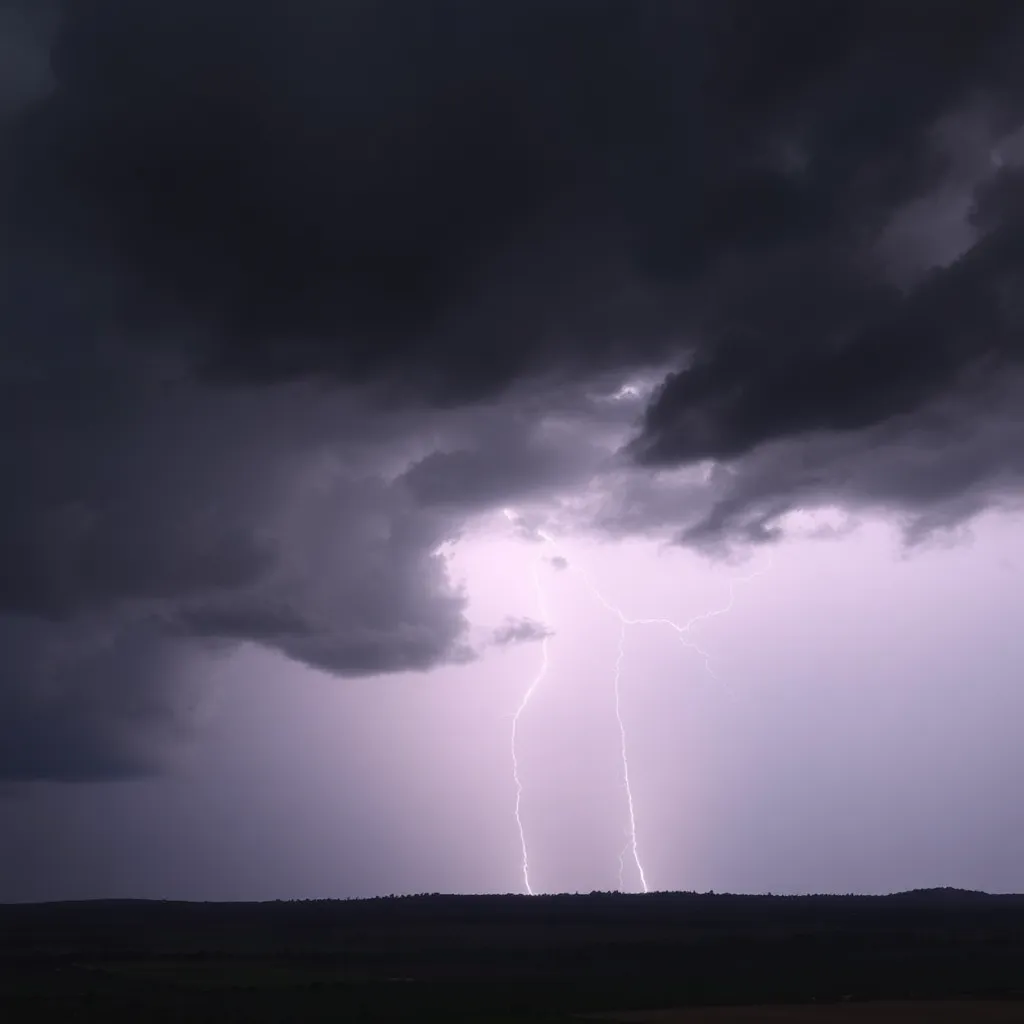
<point x="900" y="352"/>
<point x="81" y="702"/>
<point x="288" y="290"/>
<point x="25" y="26"/>
<point x="511" y="456"/>
<point x="447" y="196"/>
<point x="1000" y="200"/>
<point x="339" y="189"/>
<point x="519" y="631"/>
<point x="149" y="522"/>
<point x="928" y="473"/>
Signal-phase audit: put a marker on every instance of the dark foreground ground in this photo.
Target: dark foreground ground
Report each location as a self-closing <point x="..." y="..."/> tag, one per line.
<point x="493" y="958"/>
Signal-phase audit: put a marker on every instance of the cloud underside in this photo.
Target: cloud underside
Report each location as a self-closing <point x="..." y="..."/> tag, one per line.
<point x="519" y="631"/>
<point x="291" y="292"/>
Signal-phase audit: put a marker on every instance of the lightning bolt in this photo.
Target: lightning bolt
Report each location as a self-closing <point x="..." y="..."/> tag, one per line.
<point x="531" y="689"/>
<point x="682" y="631"/>
<point x="624" y="756"/>
<point x="632" y="843"/>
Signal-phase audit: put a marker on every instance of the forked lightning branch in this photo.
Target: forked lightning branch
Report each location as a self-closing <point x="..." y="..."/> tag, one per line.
<point x="682" y="631"/>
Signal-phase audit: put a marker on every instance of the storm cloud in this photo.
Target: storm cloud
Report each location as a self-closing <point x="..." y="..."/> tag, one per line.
<point x="289" y="292"/>
<point x="519" y="631"/>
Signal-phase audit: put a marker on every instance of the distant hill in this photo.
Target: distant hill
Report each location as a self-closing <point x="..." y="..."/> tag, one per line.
<point x="945" y="892"/>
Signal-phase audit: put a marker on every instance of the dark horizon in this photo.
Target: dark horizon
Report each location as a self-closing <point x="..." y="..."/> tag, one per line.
<point x="943" y="956"/>
<point x="929" y="892"/>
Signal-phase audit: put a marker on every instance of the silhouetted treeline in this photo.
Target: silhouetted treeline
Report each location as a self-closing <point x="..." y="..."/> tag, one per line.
<point x="474" y="953"/>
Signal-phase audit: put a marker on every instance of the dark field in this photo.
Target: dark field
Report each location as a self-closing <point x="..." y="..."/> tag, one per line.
<point x="951" y="1012"/>
<point x="483" y="958"/>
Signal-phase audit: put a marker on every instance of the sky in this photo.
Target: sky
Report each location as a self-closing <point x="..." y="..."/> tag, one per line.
<point x="421" y="417"/>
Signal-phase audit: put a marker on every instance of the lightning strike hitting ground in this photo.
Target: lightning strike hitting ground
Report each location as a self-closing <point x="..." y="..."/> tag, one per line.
<point x="682" y="632"/>
<point x="537" y="680"/>
<point x="625" y="762"/>
<point x="632" y="844"/>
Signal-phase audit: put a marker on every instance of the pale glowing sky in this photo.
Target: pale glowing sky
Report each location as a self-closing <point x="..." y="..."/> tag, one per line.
<point x="862" y="735"/>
